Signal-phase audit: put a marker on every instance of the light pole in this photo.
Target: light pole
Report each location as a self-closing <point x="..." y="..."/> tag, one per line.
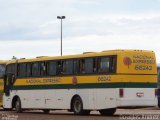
<point x="61" y="17"/>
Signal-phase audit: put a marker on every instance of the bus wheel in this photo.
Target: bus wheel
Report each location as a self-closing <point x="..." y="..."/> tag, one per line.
<point x="46" y="111"/>
<point x="159" y="101"/>
<point x="108" y="112"/>
<point x="77" y="107"/>
<point x="7" y="109"/>
<point x="18" y="106"/>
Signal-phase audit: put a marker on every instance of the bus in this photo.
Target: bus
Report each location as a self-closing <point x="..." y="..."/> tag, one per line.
<point x="2" y="73"/>
<point x="100" y="81"/>
<point x="158" y="84"/>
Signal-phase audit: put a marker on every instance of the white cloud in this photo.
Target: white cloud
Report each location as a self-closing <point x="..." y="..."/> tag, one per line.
<point x="77" y="45"/>
<point x="32" y="29"/>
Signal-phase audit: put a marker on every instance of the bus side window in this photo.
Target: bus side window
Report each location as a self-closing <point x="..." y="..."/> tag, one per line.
<point x="51" y="68"/>
<point x="28" y="69"/>
<point x="76" y="65"/>
<point x="106" y="64"/>
<point x="42" y="68"/>
<point x="59" y="67"/>
<point x="21" y="70"/>
<point x="103" y="64"/>
<point x="18" y="70"/>
<point x="112" y="68"/>
<point x="35" y="69"/>
<point x="95" y="66"/>
<point x="82" y="65"/>
<point x="67" y="66"/>
<point x="89" y="65"/>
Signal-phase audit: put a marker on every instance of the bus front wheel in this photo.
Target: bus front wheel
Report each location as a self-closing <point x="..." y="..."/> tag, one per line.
<point x="107" y="112"/>
<point x="18" y="106"/>
<point x="77" y="107"/>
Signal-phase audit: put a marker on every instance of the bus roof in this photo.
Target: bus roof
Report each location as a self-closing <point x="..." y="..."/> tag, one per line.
<point x="3" y="61"/>
<point x="85" y="54"/>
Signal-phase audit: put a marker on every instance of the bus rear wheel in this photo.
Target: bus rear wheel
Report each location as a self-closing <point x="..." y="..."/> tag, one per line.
<point x="18" y="106"/>
<point x="77" y="107"/>
<point x="108" y="112"/>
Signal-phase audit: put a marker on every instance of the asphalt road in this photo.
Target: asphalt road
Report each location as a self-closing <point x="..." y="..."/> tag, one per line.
<point x="121" y="114"/>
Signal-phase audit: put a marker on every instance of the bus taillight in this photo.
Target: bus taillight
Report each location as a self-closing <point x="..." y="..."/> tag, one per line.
<point x="121" y="92"/>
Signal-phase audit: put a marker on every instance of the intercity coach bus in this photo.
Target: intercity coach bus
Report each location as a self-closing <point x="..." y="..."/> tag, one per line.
<point x="2" y="73"/>
<point x="81" y="83"/>
<point x="158" y="83"/>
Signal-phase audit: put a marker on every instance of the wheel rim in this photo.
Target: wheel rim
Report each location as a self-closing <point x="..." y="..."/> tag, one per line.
<point x="17" y="105"/>
<point x="77" y="106"/>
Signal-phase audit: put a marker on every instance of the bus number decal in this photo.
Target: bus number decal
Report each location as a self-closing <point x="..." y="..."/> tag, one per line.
<point x="104" y="78"/>
<point x="141" y="67"/>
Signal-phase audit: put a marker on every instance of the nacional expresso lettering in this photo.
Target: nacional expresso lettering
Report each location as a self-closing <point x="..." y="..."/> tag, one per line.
<point x="43" y="81"/>
<point x="143" y="57"/>
<point x="144" y="61"/>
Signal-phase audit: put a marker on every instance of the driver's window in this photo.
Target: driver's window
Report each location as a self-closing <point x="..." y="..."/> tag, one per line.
<point x="11" y="69"/>
<point x="10" y="72"/>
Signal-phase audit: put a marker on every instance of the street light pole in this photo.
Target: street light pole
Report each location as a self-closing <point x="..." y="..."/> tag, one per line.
<point x="61" y="17"/>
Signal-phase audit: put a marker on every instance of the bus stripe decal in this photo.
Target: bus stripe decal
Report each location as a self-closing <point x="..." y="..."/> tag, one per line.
<point x="87" y="85"/>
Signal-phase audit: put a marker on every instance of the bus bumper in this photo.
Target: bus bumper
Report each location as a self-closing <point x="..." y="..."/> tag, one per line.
<point x="137" y="102"/>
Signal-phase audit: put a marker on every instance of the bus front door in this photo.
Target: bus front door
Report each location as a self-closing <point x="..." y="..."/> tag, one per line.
<point x="8" y="80"/>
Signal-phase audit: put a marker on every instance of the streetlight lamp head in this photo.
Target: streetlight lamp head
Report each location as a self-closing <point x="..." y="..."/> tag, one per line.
<point x="58" y="17"/>
<point x="63" y="17"/>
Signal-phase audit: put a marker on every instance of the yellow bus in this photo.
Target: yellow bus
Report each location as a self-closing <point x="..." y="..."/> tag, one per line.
<point x="158" y="84"/>
<point x="2" y="72"/>
<point x="100" y="81"/>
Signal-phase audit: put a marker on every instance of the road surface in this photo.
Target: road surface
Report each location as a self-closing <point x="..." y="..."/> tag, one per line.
<point x="121" y="114"/>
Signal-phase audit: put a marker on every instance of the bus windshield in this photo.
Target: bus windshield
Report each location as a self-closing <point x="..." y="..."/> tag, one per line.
<point x="2" y="70"/>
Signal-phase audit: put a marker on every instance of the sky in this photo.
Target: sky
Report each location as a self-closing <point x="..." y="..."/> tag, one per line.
<point x="30" y="28"/>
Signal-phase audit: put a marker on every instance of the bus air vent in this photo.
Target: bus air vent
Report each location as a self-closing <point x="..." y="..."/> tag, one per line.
<point x="22" y="58"/>
<point x="88" y="52"/>
<point x="113" y="50"/>
<point x="41" y="56"/>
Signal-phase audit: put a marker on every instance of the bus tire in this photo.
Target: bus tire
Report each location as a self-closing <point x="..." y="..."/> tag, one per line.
<point x="77" y="107"/>
<point x="158" y="101"/>
<point x="108" y="112"/>
<point x="7" y="109"/>
<point x="46" y="111"/>
<point x="18" y="106"/>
